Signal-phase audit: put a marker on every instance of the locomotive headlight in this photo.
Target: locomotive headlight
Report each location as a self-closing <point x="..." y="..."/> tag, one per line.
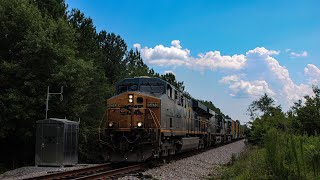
<point x="130" y="98"/>
<point x="139" y="124"/>
<point x="110" y="124"/>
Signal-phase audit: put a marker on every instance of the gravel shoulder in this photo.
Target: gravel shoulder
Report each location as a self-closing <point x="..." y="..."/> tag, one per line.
<point x="33" y="171"/>
<point x="199" y="166"/>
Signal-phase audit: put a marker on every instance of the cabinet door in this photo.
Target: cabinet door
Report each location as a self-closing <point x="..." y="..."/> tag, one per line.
<point x="51" y="143"/>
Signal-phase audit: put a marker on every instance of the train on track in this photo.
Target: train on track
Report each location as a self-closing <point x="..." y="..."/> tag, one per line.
<point x="149" y="118"/>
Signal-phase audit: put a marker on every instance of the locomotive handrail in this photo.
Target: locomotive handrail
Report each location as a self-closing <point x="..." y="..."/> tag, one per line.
<point x="154" y="118"/>
<point x="102" y="119"/>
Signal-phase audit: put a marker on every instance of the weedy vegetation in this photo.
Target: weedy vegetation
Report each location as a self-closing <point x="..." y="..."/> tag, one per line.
<point x="281" y="145"/>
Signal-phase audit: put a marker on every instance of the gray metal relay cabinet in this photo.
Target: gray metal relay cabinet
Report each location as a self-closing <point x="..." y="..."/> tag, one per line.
<point x="56" y="142"/>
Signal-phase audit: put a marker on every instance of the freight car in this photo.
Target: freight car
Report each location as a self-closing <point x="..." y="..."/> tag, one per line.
<point x="150" y="118"/>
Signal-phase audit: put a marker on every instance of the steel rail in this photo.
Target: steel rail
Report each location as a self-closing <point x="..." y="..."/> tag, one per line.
<point x="73" y="173"/>
<point x="107" y="171"/>
<point x="112" y="173"/>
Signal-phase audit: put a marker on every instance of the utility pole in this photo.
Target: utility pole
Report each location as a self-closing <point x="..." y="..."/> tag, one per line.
<point x="48" y="96"/>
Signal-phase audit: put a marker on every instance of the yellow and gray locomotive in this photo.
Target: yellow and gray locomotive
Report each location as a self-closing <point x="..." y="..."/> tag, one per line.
<point x="150" y="118"/>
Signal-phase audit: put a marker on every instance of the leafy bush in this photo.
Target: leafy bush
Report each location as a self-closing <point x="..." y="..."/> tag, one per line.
<point x="250" y="165"/>
<point x="289" y="147"/>
<point x="282" y="156"/>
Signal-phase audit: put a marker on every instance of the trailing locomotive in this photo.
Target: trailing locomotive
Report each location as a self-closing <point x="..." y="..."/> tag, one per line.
<point x="150" y="118"/>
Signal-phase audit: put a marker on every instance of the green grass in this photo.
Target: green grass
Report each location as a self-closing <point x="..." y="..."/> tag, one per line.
<point x="245" y="167"/>
<point x="282" y="156"/>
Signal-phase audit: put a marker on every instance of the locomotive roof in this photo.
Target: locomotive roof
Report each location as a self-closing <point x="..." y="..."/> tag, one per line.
<point x="149" y="80"/>
<point x="143" y="79"/>
<point x="229" y="119"/>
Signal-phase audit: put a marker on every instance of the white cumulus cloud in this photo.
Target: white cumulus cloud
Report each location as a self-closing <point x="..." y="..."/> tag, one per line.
<point x="314" y="74"/>
<point x="175" y="55"/>
<point x="166" y="56"/>
<point x="241" y="87"/>
<point x="261" y="51"/>
<point x="230" y="79"/>
<point x="137" y="46"/>
<point x="302" y="54"/>
<point x="263" y="72"/>
<point x="214" y="60"/>
<point x="176" y="43"/>
<point x="290" y="91"/>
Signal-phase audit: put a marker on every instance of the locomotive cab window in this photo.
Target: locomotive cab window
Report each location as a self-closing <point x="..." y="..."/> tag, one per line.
<point x="186" y="102"/>
<point x="169" y="91"/>
<point x="181" y="101"/>
<point x="175" y="94"/>
<point x="155" y="88"/>
<point x="127" y="87"/>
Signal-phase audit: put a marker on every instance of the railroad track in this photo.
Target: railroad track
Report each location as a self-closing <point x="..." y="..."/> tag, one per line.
<point x="103" y="171"/>
<point x="111" y="171"/>
<point x="111" y="174"/>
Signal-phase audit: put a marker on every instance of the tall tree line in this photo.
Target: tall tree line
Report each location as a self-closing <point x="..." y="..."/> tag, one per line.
<point x="286" y="144"/>
<point x="303" y="118"/>
<point x="41" y="45"/>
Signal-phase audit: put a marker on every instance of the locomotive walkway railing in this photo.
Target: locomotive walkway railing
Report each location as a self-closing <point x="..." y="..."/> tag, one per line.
<point x="154" y="117"/>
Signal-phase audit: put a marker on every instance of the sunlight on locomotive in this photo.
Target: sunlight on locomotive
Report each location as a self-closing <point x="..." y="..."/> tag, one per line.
<point x="149" y="118"/>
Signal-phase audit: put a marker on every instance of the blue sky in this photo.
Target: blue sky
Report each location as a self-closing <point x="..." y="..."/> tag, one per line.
<point x="229" y="52"/>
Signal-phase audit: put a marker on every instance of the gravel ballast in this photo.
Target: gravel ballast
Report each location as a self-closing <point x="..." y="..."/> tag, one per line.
<point x="199" y="166"/>
<point x="32" y="171"/>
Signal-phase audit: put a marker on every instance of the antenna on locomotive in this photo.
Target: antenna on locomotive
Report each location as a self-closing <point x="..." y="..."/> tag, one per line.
<point x="48" y="96"/>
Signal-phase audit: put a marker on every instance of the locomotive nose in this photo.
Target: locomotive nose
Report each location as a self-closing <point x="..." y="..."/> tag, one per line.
<point x="132" y="110"/>
<point x="131" y="118"/>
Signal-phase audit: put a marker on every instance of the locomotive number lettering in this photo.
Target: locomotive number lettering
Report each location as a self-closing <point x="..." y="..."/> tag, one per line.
<point x="111" y="105"/>
<point x="152" y="105"/>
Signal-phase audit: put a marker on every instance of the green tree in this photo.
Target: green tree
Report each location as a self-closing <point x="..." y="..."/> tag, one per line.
<point x="90" y="49"/>
<point x="135" y="65"/>
<point x="33" y="46"/>
<point x="43" y="45"/>
<point x="37" y="51"/>
<point x="210" y="105"/>
<point x="86" y="37"/>
<point x="114" y="49"/>
<point x="264" y="105"/>
<point x="171" y="78"/>
<point x="265" y="116"/>
<point x="308" y="115"/>
<point x="53" y="8"/>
